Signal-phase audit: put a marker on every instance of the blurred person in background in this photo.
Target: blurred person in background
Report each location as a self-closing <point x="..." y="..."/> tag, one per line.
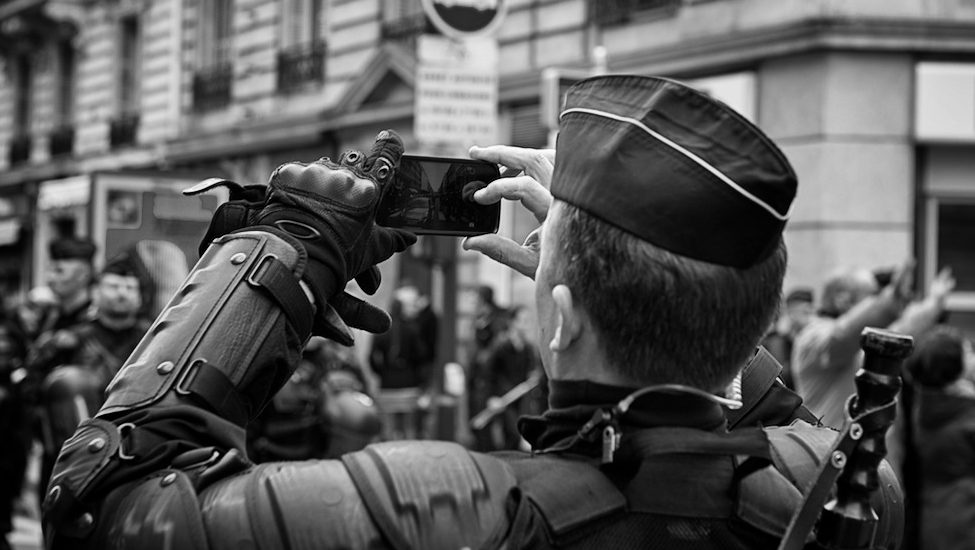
<point x="827" y="353"/>
<point x="490" y="320"/>
<point x="403" y="358"/>
<point x="69" y="277"/>
<point x="14" y="432"/>
<point x="512" y="359"/>
<point x="324" y="410"/>
<point x="796" y="314"/>
<point x="78" y="362"/>
<point x="942" y="370"/>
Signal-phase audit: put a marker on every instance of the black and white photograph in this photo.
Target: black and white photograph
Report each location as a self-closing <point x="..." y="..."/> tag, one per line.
<point x="492" y="274"/>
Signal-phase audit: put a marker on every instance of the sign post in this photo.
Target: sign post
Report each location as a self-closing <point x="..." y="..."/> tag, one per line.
<point x="456" y="94"/>
<point x="457" y="76"/>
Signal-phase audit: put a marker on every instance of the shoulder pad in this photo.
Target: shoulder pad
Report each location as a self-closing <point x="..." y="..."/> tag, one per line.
<point x="768" y="497"/>
<point x="160" y="512"/>
<point x="432" y="494"/>
<point x="82" y="461"/>
<point x="299" y="504"/>
<point x="570" y="494"/>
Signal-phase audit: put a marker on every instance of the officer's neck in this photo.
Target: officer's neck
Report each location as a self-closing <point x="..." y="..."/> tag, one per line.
<point x="585" y="360"/>
<point x="574" y="351"/>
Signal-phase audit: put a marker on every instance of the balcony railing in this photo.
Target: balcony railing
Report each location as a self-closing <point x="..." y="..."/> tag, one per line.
<point x="61" y="141"/>
<point x="19" y="149"/>
<point x="211" y="87"/>
<point x="123" y="129"/>
<point x="406" y="29"/>
<point x="615" y="12"/>
<point x="300" y="65"/>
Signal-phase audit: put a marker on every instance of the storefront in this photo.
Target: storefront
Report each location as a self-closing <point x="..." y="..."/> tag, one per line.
<point x="945" y="134"/>
<point x="118" y="209"/>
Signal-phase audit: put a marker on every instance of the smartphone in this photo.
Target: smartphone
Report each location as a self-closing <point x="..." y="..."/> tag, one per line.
<point x="435" y="196"/>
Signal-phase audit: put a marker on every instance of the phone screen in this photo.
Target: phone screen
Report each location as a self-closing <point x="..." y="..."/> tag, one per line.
<point x="434" y="196"/>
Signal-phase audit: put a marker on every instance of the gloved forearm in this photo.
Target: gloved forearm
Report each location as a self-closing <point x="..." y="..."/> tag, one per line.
<point x="233" y="332"/>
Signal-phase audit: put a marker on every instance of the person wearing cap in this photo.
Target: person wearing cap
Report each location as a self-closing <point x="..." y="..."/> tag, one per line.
<point x="69" y="276"/>
<point x="658" y="267"/>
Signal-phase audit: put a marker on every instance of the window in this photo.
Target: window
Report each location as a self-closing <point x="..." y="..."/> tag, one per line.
<point x="125" y="125"/>
<point x="301" y="22"/>
<point x="211" y="83"/>
<point x="66" y="80"/>
<point x="301" y="59"/>
<point x="61" y="139"/>
<point x="615" y="12"/>
<point x="20" y="143"/>
<point x="948" y="226"/>
<point x="403" y="20"/>
<point x="955" y="225"/>
<point x="216" y="42"/>
<point x="128" y="78"/>
<point x="22" y="103"/>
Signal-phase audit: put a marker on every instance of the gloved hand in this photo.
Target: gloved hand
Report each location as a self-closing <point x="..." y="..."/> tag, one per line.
<point x="329" y="208"/>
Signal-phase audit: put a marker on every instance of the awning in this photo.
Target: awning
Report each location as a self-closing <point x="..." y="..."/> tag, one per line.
<point x="62" y="193"/>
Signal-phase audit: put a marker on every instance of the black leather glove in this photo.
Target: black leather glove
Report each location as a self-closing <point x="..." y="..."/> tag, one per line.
<point x="329" y="208"/>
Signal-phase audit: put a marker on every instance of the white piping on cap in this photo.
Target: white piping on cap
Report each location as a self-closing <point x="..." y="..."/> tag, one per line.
<point x="703" y="163"/>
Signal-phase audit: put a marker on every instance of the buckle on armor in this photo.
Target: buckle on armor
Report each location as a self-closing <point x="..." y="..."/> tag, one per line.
<point x="185" y="379"/>
<point x="252" y="277"/>
<point x="123" y="432"/>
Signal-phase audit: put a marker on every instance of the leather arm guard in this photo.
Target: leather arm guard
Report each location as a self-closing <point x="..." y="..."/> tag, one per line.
<point x="217" y="353"/>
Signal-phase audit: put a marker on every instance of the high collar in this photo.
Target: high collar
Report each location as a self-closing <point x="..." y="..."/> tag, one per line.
<point x="572" y="404"/>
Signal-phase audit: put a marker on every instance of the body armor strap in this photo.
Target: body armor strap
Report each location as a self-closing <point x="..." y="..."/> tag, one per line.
<point x="573" y="495"/>
<point x="432" y="494"/>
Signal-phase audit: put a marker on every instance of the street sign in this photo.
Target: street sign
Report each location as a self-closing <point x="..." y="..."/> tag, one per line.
<point x="462" y="19"/>
<point x="456" y="93"/>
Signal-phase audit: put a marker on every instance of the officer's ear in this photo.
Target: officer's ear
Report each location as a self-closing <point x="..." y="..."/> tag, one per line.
<point x="568" y="325"/>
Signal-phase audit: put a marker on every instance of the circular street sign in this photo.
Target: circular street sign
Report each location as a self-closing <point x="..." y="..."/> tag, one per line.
<point x="465" y="18"/>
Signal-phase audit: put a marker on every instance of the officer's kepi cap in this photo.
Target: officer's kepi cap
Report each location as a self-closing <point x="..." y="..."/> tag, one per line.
<point x="71" y="248"/>
<point x="674" y="167"/>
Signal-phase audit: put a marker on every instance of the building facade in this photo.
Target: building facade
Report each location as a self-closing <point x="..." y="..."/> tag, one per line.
<point x="868" y="99"/>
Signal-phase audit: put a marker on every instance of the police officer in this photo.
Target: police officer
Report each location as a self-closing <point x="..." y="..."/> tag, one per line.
<point x="660" y="266"/>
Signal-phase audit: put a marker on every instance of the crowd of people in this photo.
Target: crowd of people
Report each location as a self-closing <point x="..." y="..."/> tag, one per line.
<point x="61" y="346"/>
<point x="632" y="379"/>
<point x="931" y="445"/>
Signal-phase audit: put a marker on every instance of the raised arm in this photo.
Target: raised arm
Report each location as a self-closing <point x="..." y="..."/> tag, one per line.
<point x="232" y="334"/>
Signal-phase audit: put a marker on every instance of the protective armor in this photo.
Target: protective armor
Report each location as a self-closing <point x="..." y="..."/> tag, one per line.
<point x="204" y="369"/>
<point x="69" y="396"/>
<point x="203" y="344"/>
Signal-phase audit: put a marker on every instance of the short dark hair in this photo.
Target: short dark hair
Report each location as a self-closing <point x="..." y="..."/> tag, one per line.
<point x="939" y="358"/>
<point x="661" y="317"/>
